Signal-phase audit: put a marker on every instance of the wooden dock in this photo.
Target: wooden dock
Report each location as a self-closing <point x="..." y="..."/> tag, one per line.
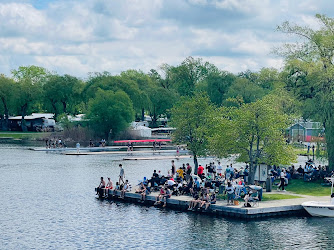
<point x="274" y="208"/>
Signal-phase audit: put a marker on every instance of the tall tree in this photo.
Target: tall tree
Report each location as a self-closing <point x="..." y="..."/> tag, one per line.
<point x="30" y="80"/>
<point x="186" y="76"/>
<point x="254" y="132"/>
<point x="161" y="100"/>
<point x="245" y="89"/>
<point x="109" y="112"/>
<point x="7" y="96"/>
<point x="193" y="119"/>
<point x="106" y="81"/>
<point x="62" y="93"/>
<point x="310" y="72"/>
<point x="218" y="84"/>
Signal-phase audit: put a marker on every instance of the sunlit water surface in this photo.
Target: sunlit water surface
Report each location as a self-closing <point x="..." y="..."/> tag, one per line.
<point x="47" y="201"/>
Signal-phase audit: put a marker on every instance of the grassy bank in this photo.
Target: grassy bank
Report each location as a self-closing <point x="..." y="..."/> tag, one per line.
<point x="308" y="188"/>
<point x="266" y="197"/>
<point x="270" y="196"/>
<point x="25" y="135"/>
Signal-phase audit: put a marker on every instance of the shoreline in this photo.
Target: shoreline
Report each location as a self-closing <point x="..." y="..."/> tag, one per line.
<point x="266" y="209"/>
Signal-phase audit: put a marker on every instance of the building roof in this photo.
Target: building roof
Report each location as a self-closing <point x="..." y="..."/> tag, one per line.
<point x="308" y="124"/>
<point x="33" y="116"/>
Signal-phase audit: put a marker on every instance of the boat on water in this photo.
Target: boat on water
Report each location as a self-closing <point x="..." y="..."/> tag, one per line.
<point x="321" y="209"/>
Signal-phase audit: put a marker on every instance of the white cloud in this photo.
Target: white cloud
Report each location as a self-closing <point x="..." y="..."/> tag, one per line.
<point x="77" y="37"/>
<point x="20" y="19"/>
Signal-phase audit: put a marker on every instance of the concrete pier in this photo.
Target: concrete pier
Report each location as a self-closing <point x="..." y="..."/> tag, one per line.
<point x="274" y="208"/>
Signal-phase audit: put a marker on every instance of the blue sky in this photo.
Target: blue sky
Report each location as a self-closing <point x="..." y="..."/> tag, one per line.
<point x="78" y="37"/>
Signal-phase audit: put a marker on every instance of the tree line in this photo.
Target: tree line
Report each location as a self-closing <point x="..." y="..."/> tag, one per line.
<point x="113" y="101"/>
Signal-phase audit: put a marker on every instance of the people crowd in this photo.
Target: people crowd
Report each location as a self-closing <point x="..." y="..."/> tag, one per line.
<point x="203" y="187"/>
<point x="309" y="172"/>
<point x="54" y="143"/>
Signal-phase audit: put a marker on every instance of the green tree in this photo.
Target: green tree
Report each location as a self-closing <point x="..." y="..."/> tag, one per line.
<point x="29" y="81"/>
<point x="145" y="83"/>
<point x="161" y="100"/>
<point x="244" y="89"/>
<point x="62" y="93"/>
<point x="109" y="112"/>
<point x="192" y="118"/>
<point x="186" y="76"/>
<point x="254" y="132"/>
<point x="106" y="81"/>
<point x="309" y="72"/>
<point x="218" y="84"/>
<point x="7" y="96"/>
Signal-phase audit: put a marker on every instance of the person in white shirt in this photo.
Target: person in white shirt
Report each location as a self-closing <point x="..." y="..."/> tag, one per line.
<point x="219" y="169"/>
<point x="126" y="188"/>
<point x="170" y="183"/>
<point x="282" y="178"/>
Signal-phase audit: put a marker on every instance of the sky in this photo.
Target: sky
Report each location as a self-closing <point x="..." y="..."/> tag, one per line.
<point x="77" y="37"/>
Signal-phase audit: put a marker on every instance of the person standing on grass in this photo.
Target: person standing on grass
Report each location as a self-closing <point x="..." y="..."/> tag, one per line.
<point x="282" y="178"/>
<point x="121" y="174"/>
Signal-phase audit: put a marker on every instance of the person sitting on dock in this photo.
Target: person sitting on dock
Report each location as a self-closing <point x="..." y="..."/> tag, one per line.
<point x="117" y="188"/>
<point x="159" y="198"/>
<point x="193" y="203"/>
<point x="108" y="187"/>
<point x="100" y="188"/>
<point x="126" y="188"/>
<point x="142" y="191"/>
<point x="246" y="199"/>
<point x="197" y="184"/>
<point x="171" y="183"/>
<point x="211" y="201"/>
<point x="205" y="198"/>
<point x="154" y="181"/>
<point x="166" y="196"/>
<point x="187" y="188"/>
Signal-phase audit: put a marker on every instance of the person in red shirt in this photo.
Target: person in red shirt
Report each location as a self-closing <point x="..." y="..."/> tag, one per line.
<point x="200" y="170"/>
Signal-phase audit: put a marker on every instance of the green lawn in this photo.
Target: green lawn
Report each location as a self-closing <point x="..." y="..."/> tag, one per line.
<point x="308" y="188"/>
<point x="24" y="135"/>
<point x="269" y="196"/>
<point x="266" y="197"/>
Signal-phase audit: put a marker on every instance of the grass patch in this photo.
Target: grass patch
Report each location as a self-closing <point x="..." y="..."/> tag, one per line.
<point x="269" y="197"/>
<point x="25" y="135"/>
<point x="266" y="197"/>
<point x="313" y="188"/>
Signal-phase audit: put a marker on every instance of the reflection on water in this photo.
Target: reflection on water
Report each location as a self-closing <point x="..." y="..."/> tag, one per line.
<point x="48" y="201"/>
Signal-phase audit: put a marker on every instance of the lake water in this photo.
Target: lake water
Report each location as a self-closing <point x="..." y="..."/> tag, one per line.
<point x="48" y="201"/>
